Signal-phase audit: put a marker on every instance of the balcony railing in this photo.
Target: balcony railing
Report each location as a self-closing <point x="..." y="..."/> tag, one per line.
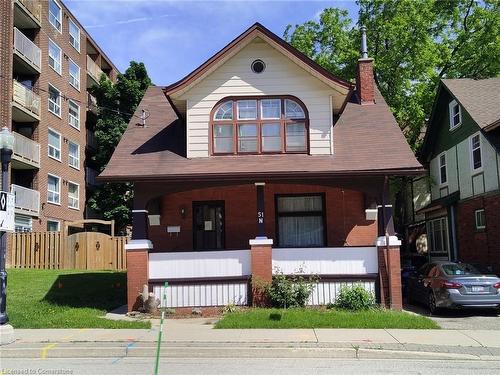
<point x="93" y="69"/>
<point x="27" y="200"/>
<point x="26" y="150"/>
<point x="34" y="7"/>
<point x="25" y="97"/>
<point x="27" y="48"/>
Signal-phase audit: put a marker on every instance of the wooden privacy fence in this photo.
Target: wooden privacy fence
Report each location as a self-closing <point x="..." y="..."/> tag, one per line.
<point x="53" y="250"/>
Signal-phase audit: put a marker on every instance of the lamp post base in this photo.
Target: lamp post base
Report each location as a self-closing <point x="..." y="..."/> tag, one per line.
<point x="6" y="334"/>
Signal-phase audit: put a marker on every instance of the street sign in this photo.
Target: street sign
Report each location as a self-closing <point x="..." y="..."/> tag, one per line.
<point x="7" y="201"/>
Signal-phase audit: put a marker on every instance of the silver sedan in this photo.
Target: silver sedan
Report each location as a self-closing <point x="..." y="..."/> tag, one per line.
<point x="453" y="285"/>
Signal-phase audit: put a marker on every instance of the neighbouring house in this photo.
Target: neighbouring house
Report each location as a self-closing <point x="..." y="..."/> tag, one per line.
<point x="256" y="161"/>
<point x="454" y="211"/>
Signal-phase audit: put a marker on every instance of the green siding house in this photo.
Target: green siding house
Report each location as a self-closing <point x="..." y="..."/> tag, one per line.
<point x="459" y="213"/>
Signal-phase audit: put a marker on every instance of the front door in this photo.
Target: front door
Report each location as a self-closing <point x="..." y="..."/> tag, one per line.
<point x="208" y="225"/>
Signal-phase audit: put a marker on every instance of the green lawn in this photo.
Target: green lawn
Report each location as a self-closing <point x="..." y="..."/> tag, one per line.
<point x="322" y="318"/>
<point x="66" y="298"/>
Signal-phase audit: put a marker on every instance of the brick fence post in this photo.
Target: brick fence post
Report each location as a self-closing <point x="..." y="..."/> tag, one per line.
<point x="261" y="252"/>
<point x="389" y="265"/>
<point x="137" y="270"/>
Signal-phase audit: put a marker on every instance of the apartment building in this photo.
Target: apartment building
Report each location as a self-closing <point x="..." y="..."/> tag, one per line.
<point x="48" y="62"/>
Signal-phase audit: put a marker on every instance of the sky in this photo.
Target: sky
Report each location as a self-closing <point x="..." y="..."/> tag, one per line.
<point x="174" y="37"/>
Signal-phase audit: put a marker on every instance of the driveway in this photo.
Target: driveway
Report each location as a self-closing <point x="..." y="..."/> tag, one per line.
<point x="484" y="319"/>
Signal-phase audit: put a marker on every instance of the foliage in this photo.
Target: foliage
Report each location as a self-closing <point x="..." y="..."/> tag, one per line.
<point x="230" y="308"/>
<point x="354" y="298"/>
<point x="66" y="299"/>
<point x="413" y="43"/>
<point x="322" y="318"/>
<point x="116" y="103"/>
<point x="293" y="291"/>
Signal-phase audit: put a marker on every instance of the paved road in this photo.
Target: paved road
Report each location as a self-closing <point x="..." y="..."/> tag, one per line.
<point x="244" y="366"/>
<point x="462" y="319"/>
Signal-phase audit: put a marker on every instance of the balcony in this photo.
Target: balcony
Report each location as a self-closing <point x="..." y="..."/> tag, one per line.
<point x="91" y="104"/>
<point x="91" y="141"/>
<point x="25" y="103"/>
<point x="94" y="72"/>
<point x="26" y="153"/>
<point x="27" y="55"/>
<point x="27" y="201"/>
<point x="90" y="177"/>
<point x="27" y="14"/>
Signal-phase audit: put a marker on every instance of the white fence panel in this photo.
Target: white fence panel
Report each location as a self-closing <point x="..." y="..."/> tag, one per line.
<point x="326" y="291"/>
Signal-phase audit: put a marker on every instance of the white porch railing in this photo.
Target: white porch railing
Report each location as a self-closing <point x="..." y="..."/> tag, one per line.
<point x="27" y="48"/>
<point x="26" y="97"/>
<point x="26" y="150"/>
<point x="93" y="69"/>
<point x="26" y="200"/>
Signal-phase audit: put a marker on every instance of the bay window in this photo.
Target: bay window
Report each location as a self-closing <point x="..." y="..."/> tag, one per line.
<point x="259" y="125"/>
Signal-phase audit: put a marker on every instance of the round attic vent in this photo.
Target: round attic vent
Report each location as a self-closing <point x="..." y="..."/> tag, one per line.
<point x="258" y="66"/>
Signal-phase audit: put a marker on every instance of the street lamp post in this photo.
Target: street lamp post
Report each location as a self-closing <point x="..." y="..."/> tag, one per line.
<point x="6" y="146"/>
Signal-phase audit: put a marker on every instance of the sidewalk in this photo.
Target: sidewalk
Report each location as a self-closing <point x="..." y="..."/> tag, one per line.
<point x="197" y="337"/>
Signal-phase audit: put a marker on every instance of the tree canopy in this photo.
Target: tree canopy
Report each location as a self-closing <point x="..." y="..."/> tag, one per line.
<point x="414" y="44"/>
<point x="116" y="103"/>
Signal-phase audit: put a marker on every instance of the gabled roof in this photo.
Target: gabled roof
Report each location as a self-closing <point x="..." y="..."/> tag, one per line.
<point x="256" y="30"/>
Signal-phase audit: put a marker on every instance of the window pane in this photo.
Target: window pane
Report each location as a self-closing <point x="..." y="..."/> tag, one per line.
<point x="74" y="75"/>
<point x="247" y="137"/>
<point x="223" y="138"/>
<point x="225" y="111"/>
<point x="52" y="226"/>
<point x="53" y="189"/>
<point x="293" y="109"/>
<point x="54" y="145"/>
<point x="74" y="114"/>
<point x="54" y="56"/>
<point x="73" y="155"/>
<point x="296" y="137"/>
<point x="476" y="152"/>
<point x="55" y="14"/>
<point x="301" y="231"/>
<point x="247" y="109"/>
<point x="312" y="203"/>
<point x="74" y="35"/>
<point x="73" y="195"/>
<point x="271" y="137"/>
<point x="54" y="101"/>
<point x="271" y="108"/>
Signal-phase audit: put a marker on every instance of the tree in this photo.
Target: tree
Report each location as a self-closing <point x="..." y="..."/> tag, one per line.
<point x="413" y="43"/>
<point x="116" y="103"/>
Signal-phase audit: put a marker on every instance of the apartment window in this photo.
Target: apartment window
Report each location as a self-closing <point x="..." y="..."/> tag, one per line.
<point x="55" y="15"/>
<point x="261" y="125"/>
<point x="54" y="145"/>
<point x="475" y="148"/>
<point x="54" y="101"/>
<point x="74" y="114"/>
<point x="301" y="220"/>
<point x="53" y="189"/>
<point x="23" y="223"/>
<point x="74" y="155"/>
<point x="74" y="75"/>
<point x="55" y="56"/>
<point x="480" y="219"/>
<point x="73" y="195"/>
<point x="443" y="178"/>
<point x="74" y="35"/>
<point x="53" y="226"/>
<point x="455" y="114"/>
<point x="437" y="236"/>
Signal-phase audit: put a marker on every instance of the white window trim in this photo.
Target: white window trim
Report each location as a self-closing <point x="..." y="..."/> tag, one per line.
<point x="60" y="17"/>
<point x="60" y="145"/>
<point x="60" y="102"/>
<point x="474" y="170"/>
<point x="262" y="112"/>
<point x="70" y="76"/>
<point x="450" y="111"/>
<point x="69" y="114"/>
<point x="79" y="34"/>
<point x="55" y="221"/>
<point x="476" y="221"/>
<point x="78" y="158"/>
<point x="58" y="192"/>
<point x="78" y="197"/>
<point x="60" y="57"/>
<point x="445" y="167"/>
<point x="430" y="228"/>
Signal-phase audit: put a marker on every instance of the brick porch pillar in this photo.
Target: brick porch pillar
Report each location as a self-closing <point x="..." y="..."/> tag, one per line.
<point x="261" y="252"/>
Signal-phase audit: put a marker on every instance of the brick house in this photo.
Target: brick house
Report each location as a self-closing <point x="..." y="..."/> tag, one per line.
<point x="261" y="160"/>
<point x="457" y="205"/>
<point x="47" y="63"/>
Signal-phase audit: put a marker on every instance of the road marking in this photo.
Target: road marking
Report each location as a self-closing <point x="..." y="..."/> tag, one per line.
<point x="45" y="350"/>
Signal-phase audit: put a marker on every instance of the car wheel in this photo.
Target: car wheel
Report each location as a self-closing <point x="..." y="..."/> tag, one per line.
<point x="432" y="303"/>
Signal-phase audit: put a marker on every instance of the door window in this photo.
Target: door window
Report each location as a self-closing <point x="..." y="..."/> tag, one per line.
<point x="208" y="225"/>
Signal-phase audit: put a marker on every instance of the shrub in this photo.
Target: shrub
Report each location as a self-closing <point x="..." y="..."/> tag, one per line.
<point x="230" y="308"/>
<point x="293" y="291"/>
<point x="354" y="298"/>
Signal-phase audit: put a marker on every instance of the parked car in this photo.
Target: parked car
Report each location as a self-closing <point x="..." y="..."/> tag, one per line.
<point x="453" y="285"/>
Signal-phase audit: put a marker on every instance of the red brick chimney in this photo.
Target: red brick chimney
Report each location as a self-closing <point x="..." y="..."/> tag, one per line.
<point x="365" y="83"/>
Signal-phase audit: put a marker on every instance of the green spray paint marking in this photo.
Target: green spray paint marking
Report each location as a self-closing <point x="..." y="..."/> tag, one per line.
<point x="163" y="306"/>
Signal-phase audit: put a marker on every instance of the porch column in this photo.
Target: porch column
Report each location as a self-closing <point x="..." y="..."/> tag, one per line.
<point x="261" y="252"/>
<point x="388" y="248"/>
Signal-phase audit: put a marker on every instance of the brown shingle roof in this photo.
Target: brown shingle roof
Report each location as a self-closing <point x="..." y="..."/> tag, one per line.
<point x="367" y="140"/>
<point x="480" y="98"/>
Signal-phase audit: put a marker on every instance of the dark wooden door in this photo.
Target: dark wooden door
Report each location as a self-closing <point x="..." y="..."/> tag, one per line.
<point x="208" y="225"/>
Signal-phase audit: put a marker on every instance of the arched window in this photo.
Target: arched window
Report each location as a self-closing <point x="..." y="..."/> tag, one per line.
<point x="259" y="125"/>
